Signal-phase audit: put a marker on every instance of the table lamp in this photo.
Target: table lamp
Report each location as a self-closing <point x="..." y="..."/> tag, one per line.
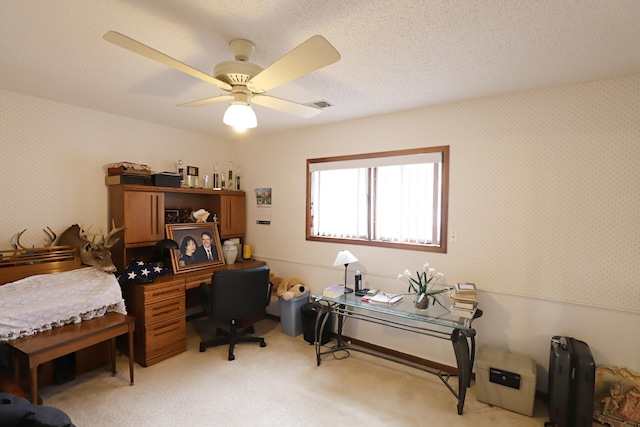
<point x="345" y="257"/>
<point x="163" y="251"/>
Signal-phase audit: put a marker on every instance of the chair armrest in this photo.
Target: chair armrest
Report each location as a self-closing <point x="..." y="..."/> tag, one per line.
<point x="269" y="293"/>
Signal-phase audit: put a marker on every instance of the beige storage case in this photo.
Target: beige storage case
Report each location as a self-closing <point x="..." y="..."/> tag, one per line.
<point x="498" y="373"/>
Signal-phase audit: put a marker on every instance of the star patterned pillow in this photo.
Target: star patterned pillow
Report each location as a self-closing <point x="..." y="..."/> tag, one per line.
<point x="142" y="272"/>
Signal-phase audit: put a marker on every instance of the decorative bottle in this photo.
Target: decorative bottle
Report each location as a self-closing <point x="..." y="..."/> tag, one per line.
<point x="216" y="177"/>
<point x="230" y="180"/>
<point x="181" y="172"/>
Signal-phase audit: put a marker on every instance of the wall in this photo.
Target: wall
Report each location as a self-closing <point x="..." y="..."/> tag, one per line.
<point x="53" y="158"/>
<point x="544" y="197"/>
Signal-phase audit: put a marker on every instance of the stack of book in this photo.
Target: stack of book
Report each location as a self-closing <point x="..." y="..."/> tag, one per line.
<point x="464" y="300"/>
<point x="334" y="291"/>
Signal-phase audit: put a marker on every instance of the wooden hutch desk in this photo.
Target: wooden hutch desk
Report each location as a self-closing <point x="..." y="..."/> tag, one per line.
<point x="160" y="308"/>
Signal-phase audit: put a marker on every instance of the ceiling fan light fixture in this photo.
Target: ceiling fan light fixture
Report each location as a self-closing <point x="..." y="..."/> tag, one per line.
<point x="241" y="116"/>
<point x="244" y="79"/>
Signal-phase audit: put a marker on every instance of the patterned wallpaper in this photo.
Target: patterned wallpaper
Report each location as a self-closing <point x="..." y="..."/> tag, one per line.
<point x="544" y="192"/>
<point x="550" y="194"/>
<point x="544" y="185"/>
<point x="53" y="158"/>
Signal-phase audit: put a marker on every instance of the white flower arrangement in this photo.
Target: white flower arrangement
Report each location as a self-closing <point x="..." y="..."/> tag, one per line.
<point x="425" y="281"/>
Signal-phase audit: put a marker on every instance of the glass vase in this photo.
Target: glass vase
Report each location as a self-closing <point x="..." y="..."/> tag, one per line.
<point x="422" y="301"/>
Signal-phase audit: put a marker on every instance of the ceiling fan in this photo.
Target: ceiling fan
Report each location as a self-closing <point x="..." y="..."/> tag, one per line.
<point x="245" y="81"/>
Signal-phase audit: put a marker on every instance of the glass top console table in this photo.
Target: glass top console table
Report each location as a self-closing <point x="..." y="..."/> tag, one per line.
<point x="435" y="321"/>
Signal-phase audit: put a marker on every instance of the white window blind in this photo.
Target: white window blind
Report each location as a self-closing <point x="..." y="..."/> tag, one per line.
<point x="340" y="198"/>
<point x="393" y="198"/>
<point x="405" y="206"/>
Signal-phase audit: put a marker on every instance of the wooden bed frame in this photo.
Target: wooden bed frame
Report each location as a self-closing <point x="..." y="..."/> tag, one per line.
<point x="46" y="346"/>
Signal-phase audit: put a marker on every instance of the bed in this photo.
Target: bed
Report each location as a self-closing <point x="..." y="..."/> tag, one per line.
<point x="44" y="316"/>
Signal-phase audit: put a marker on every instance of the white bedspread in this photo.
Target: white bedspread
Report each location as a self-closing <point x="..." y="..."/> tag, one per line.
<point x="39" y="303"/>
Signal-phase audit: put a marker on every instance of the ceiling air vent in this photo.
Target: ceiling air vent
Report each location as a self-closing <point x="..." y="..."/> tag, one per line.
<point x="319" y="104"/>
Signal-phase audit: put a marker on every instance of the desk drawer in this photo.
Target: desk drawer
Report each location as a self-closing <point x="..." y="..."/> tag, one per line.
<point x="164" y="309"/>
<point x="162" y="293"/>
<point x="164" y="336"/>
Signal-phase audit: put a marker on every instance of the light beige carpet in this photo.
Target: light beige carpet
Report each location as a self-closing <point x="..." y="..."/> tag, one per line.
<point x="278" y="385"/>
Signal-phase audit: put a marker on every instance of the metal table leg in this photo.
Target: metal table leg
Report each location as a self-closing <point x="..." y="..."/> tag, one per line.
<point x="463" y="361"/>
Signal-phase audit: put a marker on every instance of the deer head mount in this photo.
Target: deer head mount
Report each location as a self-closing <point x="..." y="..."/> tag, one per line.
<point x="91" y="253"/>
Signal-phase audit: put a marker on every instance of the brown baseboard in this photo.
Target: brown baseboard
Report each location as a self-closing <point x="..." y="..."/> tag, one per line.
<point x="404" y="356"/>
<point x="393" y="353"/>
<point x="272" y="317"/>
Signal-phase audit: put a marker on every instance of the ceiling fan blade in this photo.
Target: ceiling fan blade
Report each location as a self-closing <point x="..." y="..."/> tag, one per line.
<point x="285" y="106"/>
<point x="206" y="101"/>
<point x="144" y="50"/>
<point x="309" y="56"/>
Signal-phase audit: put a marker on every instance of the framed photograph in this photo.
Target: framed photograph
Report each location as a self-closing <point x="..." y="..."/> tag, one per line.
<point x="192" y="170"/>
<point x="199" y="246"/>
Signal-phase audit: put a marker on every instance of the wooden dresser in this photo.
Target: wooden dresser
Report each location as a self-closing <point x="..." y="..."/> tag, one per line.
<point x="160" y="312"/>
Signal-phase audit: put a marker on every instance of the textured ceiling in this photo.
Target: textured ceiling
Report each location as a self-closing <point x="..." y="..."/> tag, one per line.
<point x="396" y="54"/>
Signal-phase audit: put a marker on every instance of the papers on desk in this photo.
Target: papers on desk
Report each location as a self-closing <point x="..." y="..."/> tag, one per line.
<point x="383" y="298"/>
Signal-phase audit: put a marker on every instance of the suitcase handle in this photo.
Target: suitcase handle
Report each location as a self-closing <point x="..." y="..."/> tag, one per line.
<point x="559" y="342"/>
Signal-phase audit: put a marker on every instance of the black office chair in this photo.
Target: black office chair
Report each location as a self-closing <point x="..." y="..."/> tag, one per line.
<point x="235" y="295"/>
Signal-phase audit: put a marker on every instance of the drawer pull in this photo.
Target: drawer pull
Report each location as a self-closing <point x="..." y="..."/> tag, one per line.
<point x="164" y="292"/>
<point x="166" y="331"/>
<point x="166" y="312"/>
<point x="164" y="306"/>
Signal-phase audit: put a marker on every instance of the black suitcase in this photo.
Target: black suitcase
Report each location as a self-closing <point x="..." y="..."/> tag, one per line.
<point x="572" y="373"/>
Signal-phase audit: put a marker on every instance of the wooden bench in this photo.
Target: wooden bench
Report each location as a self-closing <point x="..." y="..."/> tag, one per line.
<point x="46" y="346"/>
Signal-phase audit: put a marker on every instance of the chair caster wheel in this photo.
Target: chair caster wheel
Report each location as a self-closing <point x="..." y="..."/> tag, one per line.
<point x="263" y="344"/>
<point x="232" y="357"/>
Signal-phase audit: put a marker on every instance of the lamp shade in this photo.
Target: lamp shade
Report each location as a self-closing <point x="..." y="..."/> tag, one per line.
<point x="240" y="115"/>
<point x="345" y="257"/>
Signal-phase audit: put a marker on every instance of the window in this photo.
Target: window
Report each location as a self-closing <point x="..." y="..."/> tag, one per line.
<point x="393" y="199"/>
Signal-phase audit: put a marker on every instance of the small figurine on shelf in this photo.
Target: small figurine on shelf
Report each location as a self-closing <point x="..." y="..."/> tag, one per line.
<point x="238" y="178"/>
<point x="200" y="216"/>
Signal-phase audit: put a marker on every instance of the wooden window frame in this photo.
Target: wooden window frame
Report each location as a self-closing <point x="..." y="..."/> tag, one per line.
<point x="444" y="202"/>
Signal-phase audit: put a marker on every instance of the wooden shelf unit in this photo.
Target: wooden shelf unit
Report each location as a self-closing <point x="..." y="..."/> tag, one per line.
<point x="141" y="209"/>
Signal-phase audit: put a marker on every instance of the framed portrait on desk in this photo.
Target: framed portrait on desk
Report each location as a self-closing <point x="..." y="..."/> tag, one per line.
<point x="199" y="246"/>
